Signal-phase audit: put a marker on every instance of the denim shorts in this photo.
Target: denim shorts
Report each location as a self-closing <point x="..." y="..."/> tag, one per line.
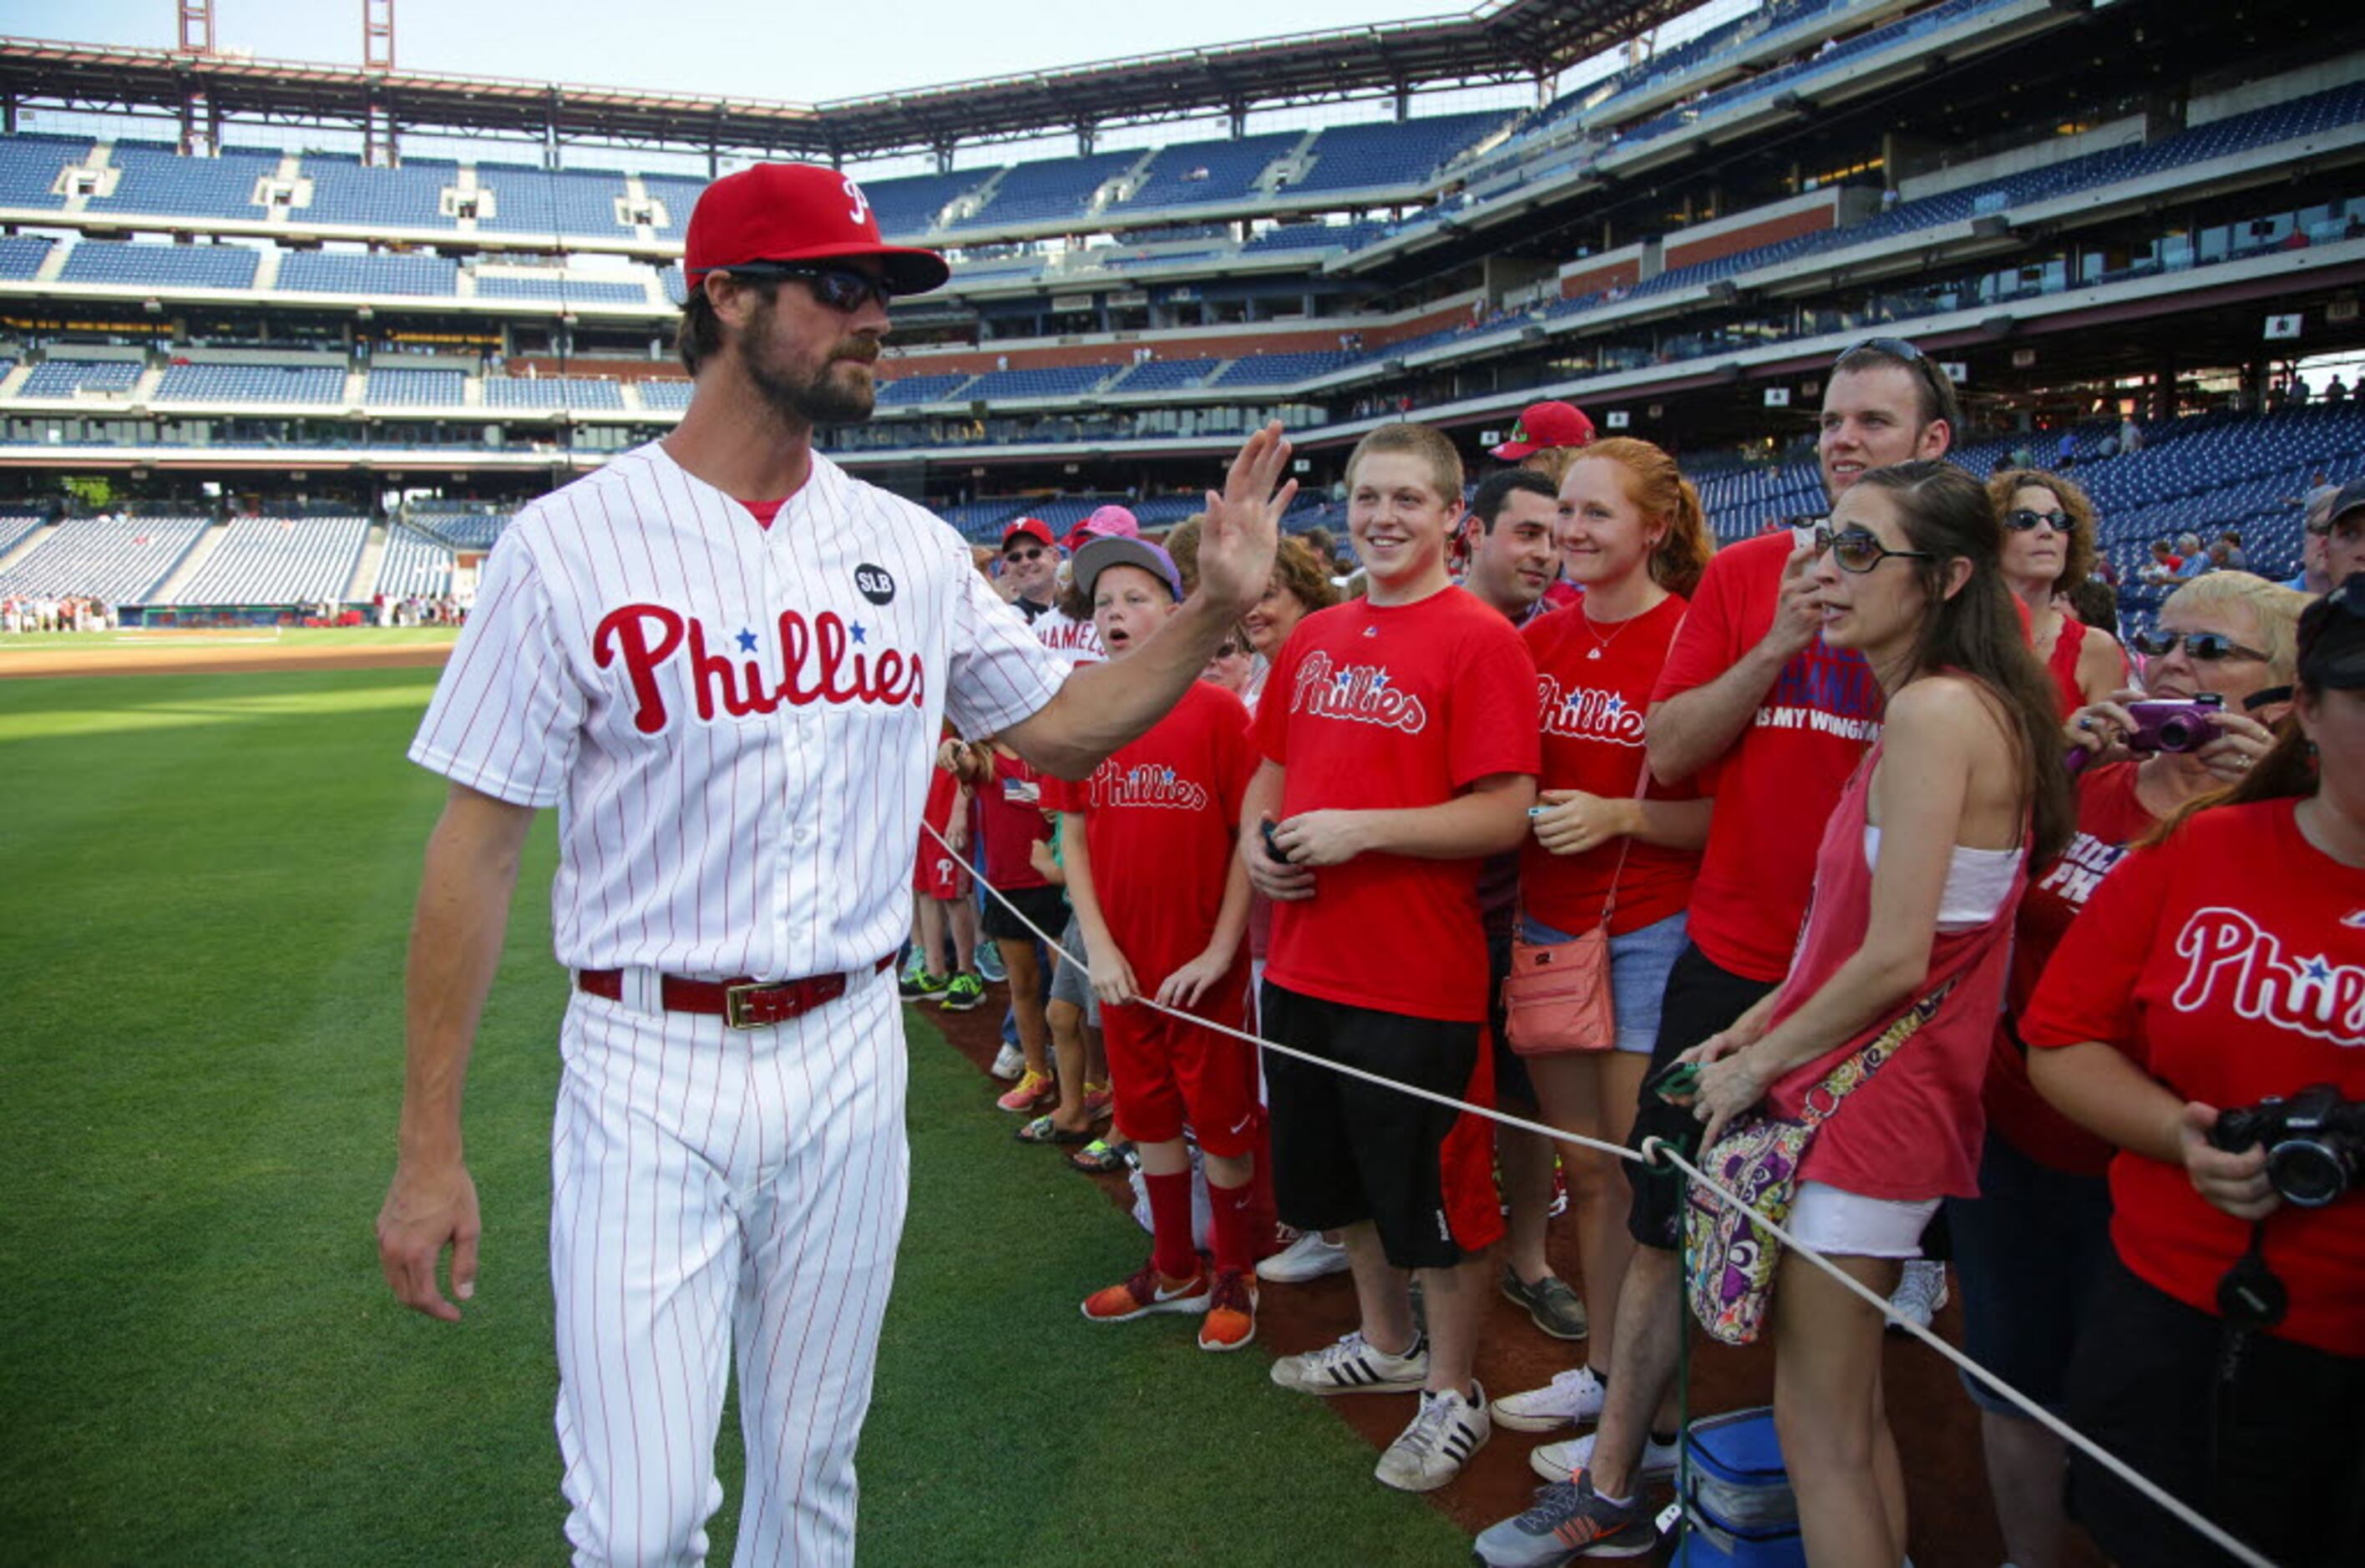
<point x="1638" y="962"/>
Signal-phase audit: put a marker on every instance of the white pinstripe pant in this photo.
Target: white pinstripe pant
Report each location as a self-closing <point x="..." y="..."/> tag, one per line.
<point x="714" y="1190"/>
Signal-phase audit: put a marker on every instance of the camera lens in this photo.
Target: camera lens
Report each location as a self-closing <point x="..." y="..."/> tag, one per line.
<point x="2308" y="1173"/>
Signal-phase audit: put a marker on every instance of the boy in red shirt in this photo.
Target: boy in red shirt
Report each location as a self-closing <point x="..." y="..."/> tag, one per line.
<point x="1400" y="743"/>
<point x="942" y="907"/>
<point x="1147" y="845"/>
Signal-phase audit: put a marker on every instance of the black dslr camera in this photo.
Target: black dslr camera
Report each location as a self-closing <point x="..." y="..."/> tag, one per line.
<point x="2315" y="1141"/>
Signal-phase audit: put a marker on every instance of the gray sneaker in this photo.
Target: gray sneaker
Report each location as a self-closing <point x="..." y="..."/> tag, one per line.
<point x="1550" y="1302"/>
<point x="1567" y="1520"/>
<point x="1432" y="1450"/>
<point x="1354" y="1366"/>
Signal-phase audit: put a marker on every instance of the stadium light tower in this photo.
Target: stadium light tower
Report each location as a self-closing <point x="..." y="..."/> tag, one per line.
<point x="196" y="26"/>
<point x="377" y="35"/>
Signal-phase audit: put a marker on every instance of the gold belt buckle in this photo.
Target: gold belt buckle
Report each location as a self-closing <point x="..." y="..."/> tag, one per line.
<point x="735" y="999"/>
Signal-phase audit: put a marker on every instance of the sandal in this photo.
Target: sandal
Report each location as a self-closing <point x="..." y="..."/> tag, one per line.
<point x="1043" y="1129"/>
<point x="1100" y="1158"/>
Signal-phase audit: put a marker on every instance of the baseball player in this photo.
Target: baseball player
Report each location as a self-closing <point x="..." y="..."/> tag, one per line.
<point x="725" y="662"/>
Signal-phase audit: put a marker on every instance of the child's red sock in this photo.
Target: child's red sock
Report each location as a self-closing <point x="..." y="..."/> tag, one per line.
<point x="1169" y="1224"/>
<point x="1235" y="1226"/>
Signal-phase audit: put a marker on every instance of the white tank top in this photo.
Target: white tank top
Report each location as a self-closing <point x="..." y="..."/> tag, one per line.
<point x="1978" y="882"/>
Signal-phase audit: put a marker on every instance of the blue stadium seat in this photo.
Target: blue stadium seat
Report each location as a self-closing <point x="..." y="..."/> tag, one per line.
<point x="1200" y="174"/>
<point x="561" y="291"/>
<point x="409" y="196"/>
<point x="920" y="389"/>
<point x="277" y="560"/>
<point x="341" y="271"/>
<point x="1048" y="190"/>
<point x="251" y="384"/>
<point x="158" y="179"/>
<point x="119" y="560"/>
<point x="1278" y="369"/>
<point x="416" y="388"/>
<point x="184" y="266"/>
<point x="415" y="564"/>
<point x="21" y="255"/>
<point x="30" y="167"/>
<point x="1061" y="381"/>
<point x="666" y="396"/>
<point x="1166" y="375"/>
<point x="64" y="377"/>
<point x="544" y="201"/>
<point x="1387" y="154"/>
<point x="552" y="392"/>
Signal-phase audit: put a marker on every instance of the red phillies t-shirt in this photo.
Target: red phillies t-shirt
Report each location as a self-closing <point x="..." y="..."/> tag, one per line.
<point x="2109" y="819"/>
<point x="1009" y="819"/>
<point x="1593" y="685"/>
<point x="2228" y="963"/>
<point x="1777" y="784"/>
<point x="1394" y="708"/>
<point x="1159" y="820"/>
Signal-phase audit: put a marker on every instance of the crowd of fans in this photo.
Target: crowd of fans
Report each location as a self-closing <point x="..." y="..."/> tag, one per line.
<point x="1871" y="836"/>
<point x="52" y="612"/>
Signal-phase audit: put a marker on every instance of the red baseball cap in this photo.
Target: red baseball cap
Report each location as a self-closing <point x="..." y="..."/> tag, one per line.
<point x="1546" y="425"/>
<point x="1033" y="528"/>
<point x="797" y="212"/>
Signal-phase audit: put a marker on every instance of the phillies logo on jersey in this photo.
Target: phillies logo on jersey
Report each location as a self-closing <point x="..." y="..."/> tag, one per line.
<point x="1358" y="693"/>
<point x="1146" y="786"/>
<point x="822" y="660"/>
<point x="1587" y="713"/>
<point x="2312" y="995"/>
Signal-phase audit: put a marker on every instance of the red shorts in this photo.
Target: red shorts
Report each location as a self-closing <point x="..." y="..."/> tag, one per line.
<point x="1164" y="1073"/>
<point x="938" y="873"/>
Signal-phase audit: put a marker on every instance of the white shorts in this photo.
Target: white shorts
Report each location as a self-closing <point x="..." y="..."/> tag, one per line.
<point x="1849" y="1224"/>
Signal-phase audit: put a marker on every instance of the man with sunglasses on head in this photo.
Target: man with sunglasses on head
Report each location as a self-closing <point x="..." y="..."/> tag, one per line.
<point x="1752" y="696"/>
<point x="728" y="661"/>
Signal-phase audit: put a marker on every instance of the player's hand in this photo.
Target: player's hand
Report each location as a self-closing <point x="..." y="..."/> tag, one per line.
<point x="428" y="1208"/>
<point x="1187" y="985"/>
<point x="1570" y="821"/>
<point x="2234" y="1182"/>
<point x="2241" y="741"/>
<point x="1112" y="977"/>
<point x="1276" y="879"/>
<point x="1243" y="525"/>
<point x="1798" y="613"/>
<point x="2101" y="729"/>
<point x="1322" y="838"/>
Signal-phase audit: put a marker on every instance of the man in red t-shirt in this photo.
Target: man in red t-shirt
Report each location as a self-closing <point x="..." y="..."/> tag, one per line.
<point x="1754" y="707"/>
<point x="1399" y="736"/>
<point x="1163" y="903"/>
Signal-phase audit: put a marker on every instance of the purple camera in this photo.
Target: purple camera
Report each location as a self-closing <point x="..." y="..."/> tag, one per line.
<point x="2173" y="725"/>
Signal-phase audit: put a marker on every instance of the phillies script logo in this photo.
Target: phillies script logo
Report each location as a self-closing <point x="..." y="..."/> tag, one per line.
<point x="818" y="663"/>
<point x="2310" y="995"/>
<point x="1146" y="786"/>
<point x="1359" y="693"/>
<point x="1586" y="713"/>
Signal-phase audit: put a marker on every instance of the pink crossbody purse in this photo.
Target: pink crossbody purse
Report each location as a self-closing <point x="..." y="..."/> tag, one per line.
<point x="1557" y="997"/>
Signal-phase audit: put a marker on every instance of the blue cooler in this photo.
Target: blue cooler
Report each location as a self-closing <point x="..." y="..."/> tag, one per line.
<point x="1738" y="1509"/>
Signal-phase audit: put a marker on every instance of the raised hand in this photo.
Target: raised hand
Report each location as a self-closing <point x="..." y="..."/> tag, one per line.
<point x="1237" y="542"/>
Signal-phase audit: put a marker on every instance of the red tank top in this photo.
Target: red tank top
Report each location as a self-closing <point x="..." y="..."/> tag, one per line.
<point x="1912" y="1132"/>
<point x="2068" y="645"/>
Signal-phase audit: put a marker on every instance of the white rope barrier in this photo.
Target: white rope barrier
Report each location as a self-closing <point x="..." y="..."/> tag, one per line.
<point x="1657" y="1149"/>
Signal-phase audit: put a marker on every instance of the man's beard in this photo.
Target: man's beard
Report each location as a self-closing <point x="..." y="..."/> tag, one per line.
<point x="820" y="398"/>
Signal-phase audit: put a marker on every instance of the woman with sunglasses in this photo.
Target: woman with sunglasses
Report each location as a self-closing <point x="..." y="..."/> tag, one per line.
<point x="2048" y="549"/>
<point x="2031" y="1246"/>
<point x="2221" y="963"/>
<point x="1906" y="943"/>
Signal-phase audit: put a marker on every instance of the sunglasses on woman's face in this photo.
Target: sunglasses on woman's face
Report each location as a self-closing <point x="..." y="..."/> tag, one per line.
<point x="2201" y="647"/>
<point x="1857" y="550"/>
<point x="1228" y="650"/>
<point x="2023" y="521"/>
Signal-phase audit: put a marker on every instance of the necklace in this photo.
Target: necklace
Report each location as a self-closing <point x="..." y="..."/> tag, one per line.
<point x="1600" y="643"/>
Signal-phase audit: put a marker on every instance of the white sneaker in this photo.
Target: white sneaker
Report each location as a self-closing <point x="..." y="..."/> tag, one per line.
<point x="1354" y="1366"/>
<point x="1558" y="1461"/>
<point x="1442" y="1437"/>
<point x="1920" y="1292"/>
<point x="1573" y="1398"/>
<point x="1307" y="1257"/>
<point x="1008" y="1063"/>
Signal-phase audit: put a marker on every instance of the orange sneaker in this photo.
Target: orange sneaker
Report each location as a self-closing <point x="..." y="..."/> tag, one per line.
<point x="1146" y="1293"/>
<point x="1230" y="1322"/>
<point x="1031" y="1087"/>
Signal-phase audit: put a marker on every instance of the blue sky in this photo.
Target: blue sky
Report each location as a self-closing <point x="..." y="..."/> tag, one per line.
<point x="803" y="52"/>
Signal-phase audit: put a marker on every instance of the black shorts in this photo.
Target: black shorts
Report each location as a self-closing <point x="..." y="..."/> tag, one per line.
<point x="2281" y="1468"/>
<point x="2028" y="1248"/>
<point x="1702" y="998"/>
<point x="1345" y="1152"/>
<point x="1047" y="907"/>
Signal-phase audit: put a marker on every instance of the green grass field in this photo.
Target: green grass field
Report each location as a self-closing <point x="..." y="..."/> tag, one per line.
<point x="209" y="881"/>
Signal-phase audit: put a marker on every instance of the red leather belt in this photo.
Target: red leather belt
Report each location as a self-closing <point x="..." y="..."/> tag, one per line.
<point x="742" y="1003"/>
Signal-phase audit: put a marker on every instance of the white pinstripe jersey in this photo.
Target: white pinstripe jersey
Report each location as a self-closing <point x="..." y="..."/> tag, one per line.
<point x="737" y="726"/>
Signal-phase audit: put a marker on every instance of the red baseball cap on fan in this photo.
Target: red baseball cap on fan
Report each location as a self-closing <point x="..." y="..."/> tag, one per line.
<point x="797" y="212"/>
<point x="1546" y="425"/>
<point x="1033" y="528"/>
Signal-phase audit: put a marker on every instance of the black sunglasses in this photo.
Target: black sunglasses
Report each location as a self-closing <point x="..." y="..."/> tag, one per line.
<point x="2203" y="647"/>
<point x="841" y="288"/>
<point x="1035" y="555"/>
<point x="1856" y="551"/>
<point x="1895" y="348"/>
<point x="2022" y="520"/>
